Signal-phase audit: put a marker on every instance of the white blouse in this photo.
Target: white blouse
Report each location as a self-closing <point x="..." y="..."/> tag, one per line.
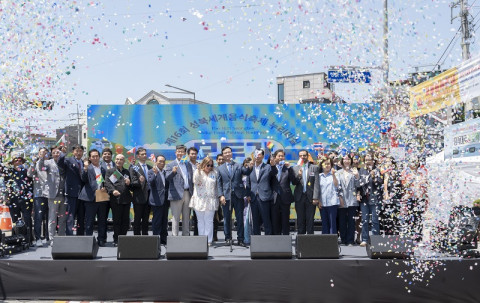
<point x="204" y="196"/>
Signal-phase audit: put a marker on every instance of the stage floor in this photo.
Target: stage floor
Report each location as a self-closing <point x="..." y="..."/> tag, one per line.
<point x="234" y="277"/>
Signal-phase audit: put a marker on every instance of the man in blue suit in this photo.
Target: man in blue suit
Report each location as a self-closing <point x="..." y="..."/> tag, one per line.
<point x="73" y="168"/>
<point x="93" y="176"/>
<point x="158" y="200"/>
<point x="260" y="180"/>
<point x="180" y="180"/>
<point x="232" y="191"/>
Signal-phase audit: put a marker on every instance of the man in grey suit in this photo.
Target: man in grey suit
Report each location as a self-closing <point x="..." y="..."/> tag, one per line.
<point x="57" y="208"/>
<point x="141" y="208"/>
<point x="260" y="182"/>
<point x="231" y="192"/>
<point x="40" y="192"/>
<point x="180" y="179"/>
<point x="303" y="194"/>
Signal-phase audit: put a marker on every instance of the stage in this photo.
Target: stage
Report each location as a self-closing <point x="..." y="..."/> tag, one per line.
<point x="234" y="277"/>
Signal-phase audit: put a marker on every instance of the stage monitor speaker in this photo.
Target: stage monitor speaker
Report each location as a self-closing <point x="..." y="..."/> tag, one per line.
<point x="187" y="247"/>
<point x="317" y="247"/>
<point x="389" y="247"/>
<point x="74" y="247"/>
<point x="271" y="247"/>
<point x="138" y="247"/>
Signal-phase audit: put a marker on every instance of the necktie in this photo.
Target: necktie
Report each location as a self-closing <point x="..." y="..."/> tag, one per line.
<point x="144" y="169"/>
<point x="229" y="167"/>
<point x="305" y="172"/>
<point x="109" y="166"/>
<point x="79" y="166"/>
<point x="279" y="174"/>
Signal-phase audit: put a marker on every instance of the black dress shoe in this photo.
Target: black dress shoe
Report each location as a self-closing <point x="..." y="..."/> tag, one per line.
<point x="228" y="242"/>
<point x="101" y="243"/>
<point x="115" y="244"/>
<point x="242" y="244"/>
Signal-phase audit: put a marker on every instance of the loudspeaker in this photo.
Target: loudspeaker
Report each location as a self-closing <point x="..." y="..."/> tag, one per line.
<point x="389" y="247"/>
<point x="187" y="247"/>
<point x="74" y="247"/>
<point x="317" y="247"/>
<point x="271" y="247"/>
<point x="138" y="247"/>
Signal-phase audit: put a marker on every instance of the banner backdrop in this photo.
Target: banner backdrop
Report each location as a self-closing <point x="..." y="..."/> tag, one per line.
<point x="210" y="127"/>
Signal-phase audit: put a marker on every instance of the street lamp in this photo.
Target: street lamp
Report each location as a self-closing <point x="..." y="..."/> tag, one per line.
<point x="181" y="89"/>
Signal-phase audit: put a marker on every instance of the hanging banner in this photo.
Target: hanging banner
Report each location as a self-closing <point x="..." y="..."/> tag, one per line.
<point x="434" y="94"/>
<point x="469" y="79"/>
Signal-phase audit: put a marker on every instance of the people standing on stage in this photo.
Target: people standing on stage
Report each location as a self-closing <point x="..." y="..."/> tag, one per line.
<point x="107" y="163"/>
<point x="192" y="153"/>
<point x="39" y="175"/>
<point x="117" y="183"/>
<point x="204" y="200"/>
<point x="218" y="213"/>
<point x="346" y="214"/>
<point x="325" y="195"/>
<point x="392" y="197"/>
<point x="54" y="189"/>
<point x="247" y="210"/>
<point x="371" y="187"/>
<point x="231" y="193"/>
<point x="139" y="184"/>
<point x="282" y="194"/>
<point x="19" y="194"/>
<point x="93" y="176"/>
<point x="73" y="167"/>
<point x="180" y="179"/>
<point x="303" y="193"/>
<point x="260" y="183"/>
<point x="158" y="200"/>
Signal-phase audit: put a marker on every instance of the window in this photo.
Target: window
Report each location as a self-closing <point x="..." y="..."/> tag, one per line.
<point x="306" y="84"/>
<point x="281" y="94"/>
<point x="152" y="101"/>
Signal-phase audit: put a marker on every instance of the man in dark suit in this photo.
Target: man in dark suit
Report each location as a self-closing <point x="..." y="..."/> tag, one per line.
<point x="118" y="188"/>
<point x="260" y="182"/>
<point x="141" y="208"/>
<point x="158" y="200"/>
<point x="231" y="192"/>
<point x="73" y="168"/>
<point x="303" y="194"/>
<point x="180" y="180"/>
<point x="282" y="194"/>
<point x="93" y="176"/>
<point x="107" y="163"/>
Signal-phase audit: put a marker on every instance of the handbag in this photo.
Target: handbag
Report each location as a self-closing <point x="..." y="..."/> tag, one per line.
<point x="101" y="196"/>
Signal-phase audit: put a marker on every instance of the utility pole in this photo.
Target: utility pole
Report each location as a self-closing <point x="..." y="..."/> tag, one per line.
<point x="79" y="127"/>
<point x="465" y="26"/>
<point x="385" y="43"/>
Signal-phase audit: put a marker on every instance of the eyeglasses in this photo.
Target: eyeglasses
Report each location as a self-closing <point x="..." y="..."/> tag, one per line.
<point x="209" y="165"/>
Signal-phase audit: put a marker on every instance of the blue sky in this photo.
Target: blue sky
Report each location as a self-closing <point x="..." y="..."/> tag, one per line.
<point x="232" y="51"/>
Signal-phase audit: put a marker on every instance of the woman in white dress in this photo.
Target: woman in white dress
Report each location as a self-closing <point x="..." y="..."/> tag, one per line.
<point x="204" y="199"/>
